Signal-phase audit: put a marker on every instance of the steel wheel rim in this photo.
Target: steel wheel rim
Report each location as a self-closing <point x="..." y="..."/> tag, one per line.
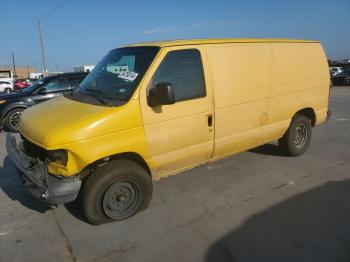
<point x="7" y="90"/>
<point x="14" y="119"/>
<point x="300" y="136"/>
<point x="121" y="200"/>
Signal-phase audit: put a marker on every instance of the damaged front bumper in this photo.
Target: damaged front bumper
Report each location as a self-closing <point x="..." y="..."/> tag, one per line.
<point x="49" y="189"/>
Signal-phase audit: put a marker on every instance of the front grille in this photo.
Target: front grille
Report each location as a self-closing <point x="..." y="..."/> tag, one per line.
<point x="33" y="150"/>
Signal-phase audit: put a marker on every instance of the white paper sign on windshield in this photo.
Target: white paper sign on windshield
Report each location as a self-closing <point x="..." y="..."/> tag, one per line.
<point x="130" y="76"/>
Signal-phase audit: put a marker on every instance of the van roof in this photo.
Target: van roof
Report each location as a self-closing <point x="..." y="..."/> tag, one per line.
<point x="219" y="41"/>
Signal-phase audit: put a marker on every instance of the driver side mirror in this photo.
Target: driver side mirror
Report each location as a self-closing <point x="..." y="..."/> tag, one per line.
<point x="161" y="94"/>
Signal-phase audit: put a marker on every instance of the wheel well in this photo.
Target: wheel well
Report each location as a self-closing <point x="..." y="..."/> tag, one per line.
<point x="126" y="156"/>
<point x="13" y="108"/>
<point x="309" y="113"/>
<point x="9" y="110"/>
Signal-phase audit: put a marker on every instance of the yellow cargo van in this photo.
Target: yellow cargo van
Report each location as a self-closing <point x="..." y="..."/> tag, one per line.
<point x="150" y="110"/>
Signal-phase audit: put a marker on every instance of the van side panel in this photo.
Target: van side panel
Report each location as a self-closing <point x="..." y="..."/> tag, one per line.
<point x="241" y="79"/>
<point x="300" y="79"/>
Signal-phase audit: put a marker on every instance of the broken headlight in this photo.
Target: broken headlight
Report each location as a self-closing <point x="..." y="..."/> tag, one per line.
<point x="59" y="156"/>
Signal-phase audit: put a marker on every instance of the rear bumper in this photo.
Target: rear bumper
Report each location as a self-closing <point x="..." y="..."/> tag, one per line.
<point x="43" y="186"/>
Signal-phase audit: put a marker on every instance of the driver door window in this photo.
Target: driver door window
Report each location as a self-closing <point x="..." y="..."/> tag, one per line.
<point x="57" y="84"/>
<point x="183" y="70"/>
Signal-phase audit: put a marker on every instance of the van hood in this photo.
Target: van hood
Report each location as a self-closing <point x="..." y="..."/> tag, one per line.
<point x="62" y="121"/>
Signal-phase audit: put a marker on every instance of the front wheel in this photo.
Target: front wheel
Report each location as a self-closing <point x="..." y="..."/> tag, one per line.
<point x="116" y="191"/>
<point x="298" y="136"/>
<point x="12" y="119"/>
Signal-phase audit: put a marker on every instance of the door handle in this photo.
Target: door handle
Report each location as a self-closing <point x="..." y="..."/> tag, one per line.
<point x="210" y="120"/>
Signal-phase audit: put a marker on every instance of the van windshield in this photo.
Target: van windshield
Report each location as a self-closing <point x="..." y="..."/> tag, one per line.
<point x="115" y="78"/>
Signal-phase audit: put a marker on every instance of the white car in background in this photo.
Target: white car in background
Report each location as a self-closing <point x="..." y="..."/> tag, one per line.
<point x="6" y="86"/>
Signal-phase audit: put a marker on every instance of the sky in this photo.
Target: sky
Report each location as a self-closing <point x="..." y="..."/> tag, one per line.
<point x="77" y="32"/>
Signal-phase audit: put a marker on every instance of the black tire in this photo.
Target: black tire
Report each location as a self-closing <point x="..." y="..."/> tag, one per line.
<point x="97" y="192"/>
<point x="12" y="119"/>
<point x="298" y="136"/>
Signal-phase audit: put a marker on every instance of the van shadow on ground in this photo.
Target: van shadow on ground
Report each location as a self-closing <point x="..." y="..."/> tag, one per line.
<point x="267" y="149"/>
<point x="12" y="186"/>
<point x="313" y="226"/>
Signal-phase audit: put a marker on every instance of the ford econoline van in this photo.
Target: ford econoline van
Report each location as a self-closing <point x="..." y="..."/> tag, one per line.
<point x="151" y="110"/>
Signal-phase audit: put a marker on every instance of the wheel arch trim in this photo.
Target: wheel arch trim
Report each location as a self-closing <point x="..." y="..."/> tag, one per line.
<point x="309" y="112"/>
<point x="132" y="156"/>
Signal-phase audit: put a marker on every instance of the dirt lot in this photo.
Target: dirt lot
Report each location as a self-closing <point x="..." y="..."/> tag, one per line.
<point x="255" y="206"/>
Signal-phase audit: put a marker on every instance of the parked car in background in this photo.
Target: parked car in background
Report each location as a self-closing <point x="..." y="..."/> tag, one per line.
<point x="335" y="70"/>
<point x="342" y="78"/>
<point x="6" y="86"/>
<point x="12" y="105"/>
<point x="23" y="83"/>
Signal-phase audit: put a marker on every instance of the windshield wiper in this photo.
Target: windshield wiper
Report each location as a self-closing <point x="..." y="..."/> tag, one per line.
<point x="94" y="96"/>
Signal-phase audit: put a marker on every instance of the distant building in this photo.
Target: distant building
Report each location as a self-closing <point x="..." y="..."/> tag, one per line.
<point x="21" y="72"/>
<point x="83" y="68"/>
<point x="6" y="74"/>
<point x="36" y="75"/>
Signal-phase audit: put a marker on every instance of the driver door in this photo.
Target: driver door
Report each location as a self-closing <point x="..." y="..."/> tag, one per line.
<point x="180" y="135"/>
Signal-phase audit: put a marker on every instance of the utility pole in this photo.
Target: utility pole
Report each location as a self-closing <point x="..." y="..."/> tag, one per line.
<point x="13" y="64"/>
<point x="42" y="49"/>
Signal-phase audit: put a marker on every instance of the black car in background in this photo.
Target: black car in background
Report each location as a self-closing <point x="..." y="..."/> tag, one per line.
<point x="12" y="105"/>
<point x="342" y="78"/>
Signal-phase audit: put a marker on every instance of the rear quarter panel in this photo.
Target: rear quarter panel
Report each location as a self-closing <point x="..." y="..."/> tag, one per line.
<point x="300" y="79"/>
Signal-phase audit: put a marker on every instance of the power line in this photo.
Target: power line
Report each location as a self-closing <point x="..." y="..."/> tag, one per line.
<point x="41" y="35"/>
<point x="29" y="46"/>
<point x="53" y="10"/>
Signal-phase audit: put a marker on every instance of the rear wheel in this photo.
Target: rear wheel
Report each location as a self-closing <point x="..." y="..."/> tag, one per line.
<point x="116" y="191"/>
<point x="12" y="119"/>
<point x="298" y="136"/>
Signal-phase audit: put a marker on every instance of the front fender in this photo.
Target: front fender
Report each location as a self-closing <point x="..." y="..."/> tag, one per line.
<point x="85" y="152"/>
